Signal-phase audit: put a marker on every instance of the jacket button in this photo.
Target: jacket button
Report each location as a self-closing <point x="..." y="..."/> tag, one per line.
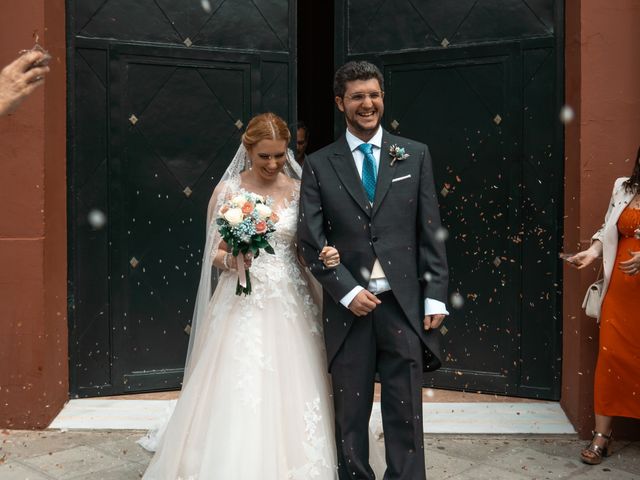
<point x="374" y="239"/>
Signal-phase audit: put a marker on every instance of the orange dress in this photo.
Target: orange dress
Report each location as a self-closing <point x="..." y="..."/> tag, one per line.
<point x="617" y="380"/>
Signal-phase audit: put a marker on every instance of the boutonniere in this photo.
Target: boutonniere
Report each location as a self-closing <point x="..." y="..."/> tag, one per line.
<point x="397" y="153"/>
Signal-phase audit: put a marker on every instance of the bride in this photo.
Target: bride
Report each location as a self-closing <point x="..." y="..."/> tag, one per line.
<point x="255" y="400"/>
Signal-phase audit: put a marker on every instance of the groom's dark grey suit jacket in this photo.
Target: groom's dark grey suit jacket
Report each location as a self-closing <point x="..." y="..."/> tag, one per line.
<point x="400" y="229"/>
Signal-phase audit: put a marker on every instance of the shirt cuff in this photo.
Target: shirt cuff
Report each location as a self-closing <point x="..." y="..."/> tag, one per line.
<point x="434" y="307"/>
<point x="348" y="298"/>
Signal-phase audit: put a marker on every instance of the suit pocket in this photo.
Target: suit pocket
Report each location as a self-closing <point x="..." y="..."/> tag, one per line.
<point x="399" y="179"/>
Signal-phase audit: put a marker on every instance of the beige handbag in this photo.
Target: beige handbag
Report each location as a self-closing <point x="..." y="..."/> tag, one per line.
<point x="593" y="298"/>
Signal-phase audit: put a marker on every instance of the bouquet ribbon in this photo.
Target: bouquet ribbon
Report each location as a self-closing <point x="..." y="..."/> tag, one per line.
<point x="242" y="275"/>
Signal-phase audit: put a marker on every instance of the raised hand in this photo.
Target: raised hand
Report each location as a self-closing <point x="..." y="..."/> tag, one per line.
<point x="20" y="78"/>
<point x="583" y="259"/>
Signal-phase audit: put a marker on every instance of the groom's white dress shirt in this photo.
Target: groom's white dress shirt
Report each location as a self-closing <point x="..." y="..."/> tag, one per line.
<point x="378" y="282"/>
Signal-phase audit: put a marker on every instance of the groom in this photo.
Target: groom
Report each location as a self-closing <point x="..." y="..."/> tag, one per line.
<point x="372" y="196"/>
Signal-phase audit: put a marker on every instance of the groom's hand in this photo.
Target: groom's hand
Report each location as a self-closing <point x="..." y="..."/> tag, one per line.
<point x="364" y="303"/>
<point x="433" y="321"/>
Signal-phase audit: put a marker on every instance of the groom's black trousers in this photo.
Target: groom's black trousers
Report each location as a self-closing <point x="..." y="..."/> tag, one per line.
<point x="382" y="341"/>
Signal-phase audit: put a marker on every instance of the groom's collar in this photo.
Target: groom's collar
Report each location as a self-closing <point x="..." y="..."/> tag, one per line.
<point x="354" y="142"/>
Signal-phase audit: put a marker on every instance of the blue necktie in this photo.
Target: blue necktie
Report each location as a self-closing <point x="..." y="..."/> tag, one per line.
<point x="368" y="170"/>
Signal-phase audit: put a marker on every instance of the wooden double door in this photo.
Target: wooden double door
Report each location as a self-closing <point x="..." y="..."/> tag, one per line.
<point x="160" y="92"/>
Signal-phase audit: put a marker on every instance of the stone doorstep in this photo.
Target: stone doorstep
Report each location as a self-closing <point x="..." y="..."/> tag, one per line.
<point x="543" y="418"/>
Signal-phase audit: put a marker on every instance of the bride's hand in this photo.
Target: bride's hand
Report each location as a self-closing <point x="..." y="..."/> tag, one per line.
<point x="230" y="262"/>
<point x="330" y="257"/>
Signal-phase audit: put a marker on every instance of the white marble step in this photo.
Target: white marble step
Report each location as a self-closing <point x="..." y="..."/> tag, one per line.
<point x="490" y="418"/>
<point x="96" y="414"/>
<point x="453" y="418"/>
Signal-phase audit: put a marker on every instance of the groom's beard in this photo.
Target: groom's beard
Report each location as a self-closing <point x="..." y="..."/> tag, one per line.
<point x="360" y="130"/>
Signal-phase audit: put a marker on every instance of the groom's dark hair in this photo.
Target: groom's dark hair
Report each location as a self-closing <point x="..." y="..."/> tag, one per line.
<point x="352" y="71"/>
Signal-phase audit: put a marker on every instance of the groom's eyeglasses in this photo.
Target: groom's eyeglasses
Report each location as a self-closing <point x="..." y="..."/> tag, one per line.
<point x="360" y="97"/>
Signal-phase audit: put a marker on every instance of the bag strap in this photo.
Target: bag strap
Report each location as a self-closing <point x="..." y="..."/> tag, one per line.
<point x="600" y="271"/>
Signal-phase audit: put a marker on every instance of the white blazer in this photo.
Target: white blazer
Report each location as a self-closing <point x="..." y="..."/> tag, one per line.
<point x="608" y="233"/>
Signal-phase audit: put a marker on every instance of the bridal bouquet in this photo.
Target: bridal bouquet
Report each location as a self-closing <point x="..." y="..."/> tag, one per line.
<point x="246" y="223"/>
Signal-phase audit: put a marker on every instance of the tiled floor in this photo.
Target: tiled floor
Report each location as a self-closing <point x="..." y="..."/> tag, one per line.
<point x="114" y="455"/>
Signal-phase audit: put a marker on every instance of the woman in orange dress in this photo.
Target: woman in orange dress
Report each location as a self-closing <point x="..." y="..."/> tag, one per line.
<point x="617" y="376"/>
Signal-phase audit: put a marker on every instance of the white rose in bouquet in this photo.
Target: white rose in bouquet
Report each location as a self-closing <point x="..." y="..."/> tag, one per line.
<point x="234" y="216"/>
<point x="239" y="200"/>
<point x="263" y="210"/>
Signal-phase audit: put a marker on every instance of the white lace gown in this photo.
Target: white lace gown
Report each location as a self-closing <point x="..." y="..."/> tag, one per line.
<point x="256" y="404"/>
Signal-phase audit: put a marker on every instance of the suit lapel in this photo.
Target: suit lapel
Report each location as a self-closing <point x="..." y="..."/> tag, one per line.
<point x="345" y="167"/>
<point x="385" y="173"/>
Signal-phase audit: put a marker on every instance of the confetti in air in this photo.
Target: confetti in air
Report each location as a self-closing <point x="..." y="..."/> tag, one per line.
<point x="567" y="114"/>
<point x="457" y="300"/>
<point x="206" y="5"/>
<point x="97" y="219"/>
<point x="442" y="234"/>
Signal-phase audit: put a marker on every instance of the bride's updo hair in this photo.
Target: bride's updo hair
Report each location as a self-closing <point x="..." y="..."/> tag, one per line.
<point x="266" y="126"/>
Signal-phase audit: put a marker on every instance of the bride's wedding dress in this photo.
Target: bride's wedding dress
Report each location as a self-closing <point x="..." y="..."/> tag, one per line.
<point x="255" y="403"/>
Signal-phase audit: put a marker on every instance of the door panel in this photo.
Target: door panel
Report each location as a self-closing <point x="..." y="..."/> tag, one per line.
<point x="90" y="340"/>
<point x="169" y="159"/>
<point x="453" y="104"/>
<point x="480" y="82"/>
<point x="401" y="25"/>
<point x="160" y="94"/>
<point x="541" y="200"/>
